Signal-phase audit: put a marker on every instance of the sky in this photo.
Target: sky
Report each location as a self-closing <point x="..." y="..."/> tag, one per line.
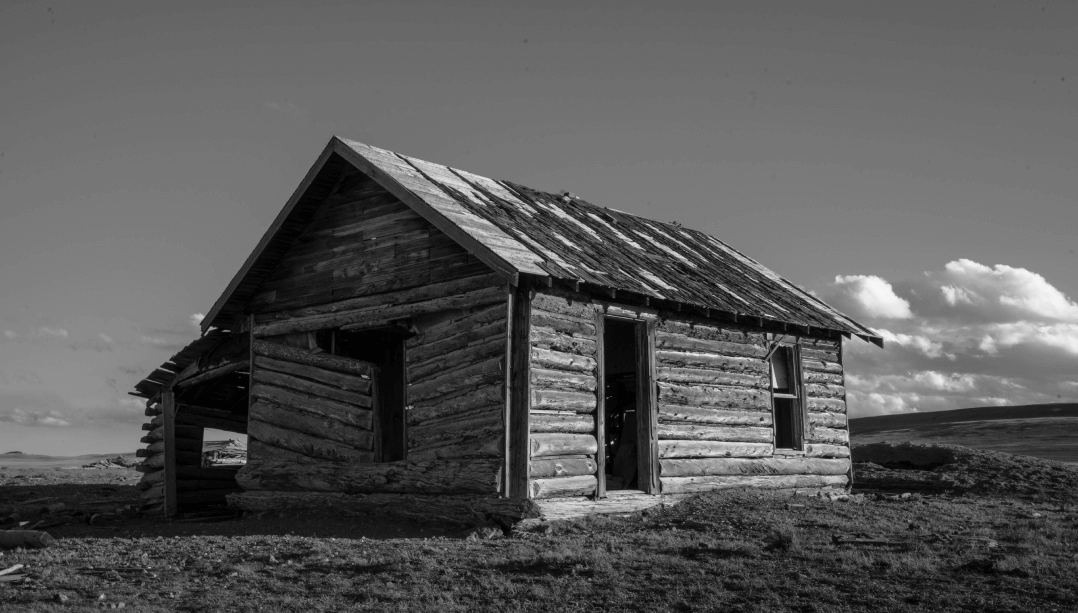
<point x="914" y="163"/>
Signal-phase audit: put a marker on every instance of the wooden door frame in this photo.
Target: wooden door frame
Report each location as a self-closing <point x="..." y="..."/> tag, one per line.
<point x="647" y="414"/>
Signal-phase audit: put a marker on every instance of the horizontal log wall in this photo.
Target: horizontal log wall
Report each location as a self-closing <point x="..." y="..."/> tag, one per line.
<point x="564" y="395"/>
<point x="309" y="404"/>
<point x="715" y="420"/>
<point x="456" y="374"/>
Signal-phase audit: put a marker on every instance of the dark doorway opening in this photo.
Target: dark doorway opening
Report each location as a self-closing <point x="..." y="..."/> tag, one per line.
<point x="383" y="347"/>
<point x="621" y="383"/>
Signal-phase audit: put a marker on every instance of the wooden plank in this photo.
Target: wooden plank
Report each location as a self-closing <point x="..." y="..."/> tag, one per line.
<point x="688" y="485"/>
<point x="754" y="466"/>
<point x="212" y="373"/>
<point x="424" y="353"/>
<point x="313" y="446"/>
<point x="456" y="359"/>
<point x="572" y="423"/>
<point x="676" y="414"/>
<point x="319" y="375"/>
<point x="549" y="338"/>
<point x="320" y="360"/>
<point x="381" y="314"/>
<point x="563" y="467"/>
<point x="600" y="405"/>
<point x="312" y="424"/>
<point x="168" y="414"/>
<point x="579" y="402"/>
<point x="647" y="409"/>
<point x="563" y="381"/>
<point x="712" y="361"/>
<point x="550" y="444"/>
<point x="560" y="487"/>
<point x="507" y="404"/>
<point x="827" y="420"/>
<point x="487" y="372"/>
<point x="823" y="450"/>
<point x="680" y="342"/>
<point x="715" y="396"/>
<point x="204" y="421"/>
<point x="714" y="433"/>
<point x="834" y="436"/>
<point x="349" y="414"/>
<point x="712" y="449"/>
<point x="700" y="376"/>
<point x="318" y="390"/>
<point x="826" y="405"/>
<point x="557" y="360"/>
<point x="519" y="443"/>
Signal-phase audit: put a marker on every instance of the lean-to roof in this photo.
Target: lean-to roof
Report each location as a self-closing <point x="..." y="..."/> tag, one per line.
<point x="522" y="231"/>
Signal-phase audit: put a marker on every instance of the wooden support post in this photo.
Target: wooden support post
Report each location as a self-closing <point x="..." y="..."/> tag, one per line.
<point x="600" y="406"/>
<point x="168" y="408"/>
<point x="519" y="392"/>
<point x="647" y="475"/>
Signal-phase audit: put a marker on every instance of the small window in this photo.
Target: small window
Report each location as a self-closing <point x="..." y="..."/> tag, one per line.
<point x="786" y="401"/>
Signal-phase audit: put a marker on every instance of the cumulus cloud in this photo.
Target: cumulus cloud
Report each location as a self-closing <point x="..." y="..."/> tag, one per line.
<point x="45" y="331"/>
<point x="873" y="296"/>
<point x="196" y="319"/>
<point x="10" y="334"/>
<point x="964" y="336"/>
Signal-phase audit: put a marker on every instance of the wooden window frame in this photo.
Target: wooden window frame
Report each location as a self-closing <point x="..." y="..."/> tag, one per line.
<point x="394" y="438"/>
<point x="647" y="472"/>
<point x="800" y="421"/>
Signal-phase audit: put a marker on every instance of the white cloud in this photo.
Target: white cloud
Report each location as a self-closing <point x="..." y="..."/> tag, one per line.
<point x="105" y="337"/>
<point x="1004" y="292"/>
<point x="930" y="348"/>
<point x="976" y="335"/>
<point x="874" y="296"/>
<point x="196" y="319"/>
<point x="51" y="332"/>
<point x="10" y="334"/>
<point x="154" y="340"/>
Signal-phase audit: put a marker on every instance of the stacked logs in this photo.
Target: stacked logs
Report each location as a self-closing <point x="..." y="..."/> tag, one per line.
<point x="456" y="376"/>
<point x="188" y="453"/>
<point x="715" y="422"/>
<point x="563" y="386"/>
<point x="309" y="406"/>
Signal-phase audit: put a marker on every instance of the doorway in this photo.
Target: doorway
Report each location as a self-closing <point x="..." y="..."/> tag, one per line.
<point x="621" y="379"/>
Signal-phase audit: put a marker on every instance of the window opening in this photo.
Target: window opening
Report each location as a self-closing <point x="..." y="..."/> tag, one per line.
<point x="621" y="382"/>
<point x="785" y="395"/>
<point x="385" y="349"/>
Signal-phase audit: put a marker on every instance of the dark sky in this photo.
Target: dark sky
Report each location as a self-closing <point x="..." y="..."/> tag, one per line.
<point x="906" y="147"/>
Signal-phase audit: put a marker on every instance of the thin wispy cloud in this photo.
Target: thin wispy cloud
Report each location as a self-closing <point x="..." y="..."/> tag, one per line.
<point x="967" y="335"/>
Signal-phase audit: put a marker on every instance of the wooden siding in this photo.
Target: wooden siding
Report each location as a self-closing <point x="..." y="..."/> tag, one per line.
<point x="715" y="425"/>
<point x="361" y="241"/>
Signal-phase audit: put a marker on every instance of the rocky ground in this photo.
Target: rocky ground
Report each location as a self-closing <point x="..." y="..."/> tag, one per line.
<point x="969" y="548"/>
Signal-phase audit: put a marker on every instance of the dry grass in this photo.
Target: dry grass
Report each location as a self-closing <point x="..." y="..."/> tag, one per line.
<point x="734" y="551"/>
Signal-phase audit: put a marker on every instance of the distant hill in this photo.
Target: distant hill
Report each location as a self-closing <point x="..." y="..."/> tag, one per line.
<point x="1041" y="430"/>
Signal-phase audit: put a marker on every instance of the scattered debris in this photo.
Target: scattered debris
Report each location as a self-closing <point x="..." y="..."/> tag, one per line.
<point x="28" y="539"/>
<point x="117" y="462"/>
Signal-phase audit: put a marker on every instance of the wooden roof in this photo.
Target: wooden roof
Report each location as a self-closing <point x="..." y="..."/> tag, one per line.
<point x="518" y="230"/>
<point x="167" y="372"/>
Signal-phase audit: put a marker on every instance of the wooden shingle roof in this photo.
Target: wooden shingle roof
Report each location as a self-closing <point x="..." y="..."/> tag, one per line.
<point x="518" y="230"/>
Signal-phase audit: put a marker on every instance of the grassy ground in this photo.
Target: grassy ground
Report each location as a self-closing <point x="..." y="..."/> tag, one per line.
<point x="737" y="552"/>
<point x="732" y="551"/>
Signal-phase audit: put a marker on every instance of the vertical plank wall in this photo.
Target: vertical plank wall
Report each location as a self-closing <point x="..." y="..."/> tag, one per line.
<point x="714" y="413"/>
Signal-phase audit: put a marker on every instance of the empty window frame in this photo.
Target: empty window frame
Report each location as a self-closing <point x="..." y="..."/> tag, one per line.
<point x="383" y="347"/>
<point x="787" y="398"/>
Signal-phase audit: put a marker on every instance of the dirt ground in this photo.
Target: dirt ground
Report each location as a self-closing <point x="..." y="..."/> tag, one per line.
<point x="733" y="550"/>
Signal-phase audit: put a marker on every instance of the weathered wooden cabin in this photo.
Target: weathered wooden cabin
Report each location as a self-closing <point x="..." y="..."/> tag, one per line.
<point x="417" y="338"/>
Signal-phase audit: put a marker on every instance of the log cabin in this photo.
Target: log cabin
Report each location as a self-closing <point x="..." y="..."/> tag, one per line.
<point x="419" y="339"/>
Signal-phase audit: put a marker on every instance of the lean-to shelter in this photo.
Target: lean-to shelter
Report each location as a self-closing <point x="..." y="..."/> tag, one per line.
<point x="412" y="337"/>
